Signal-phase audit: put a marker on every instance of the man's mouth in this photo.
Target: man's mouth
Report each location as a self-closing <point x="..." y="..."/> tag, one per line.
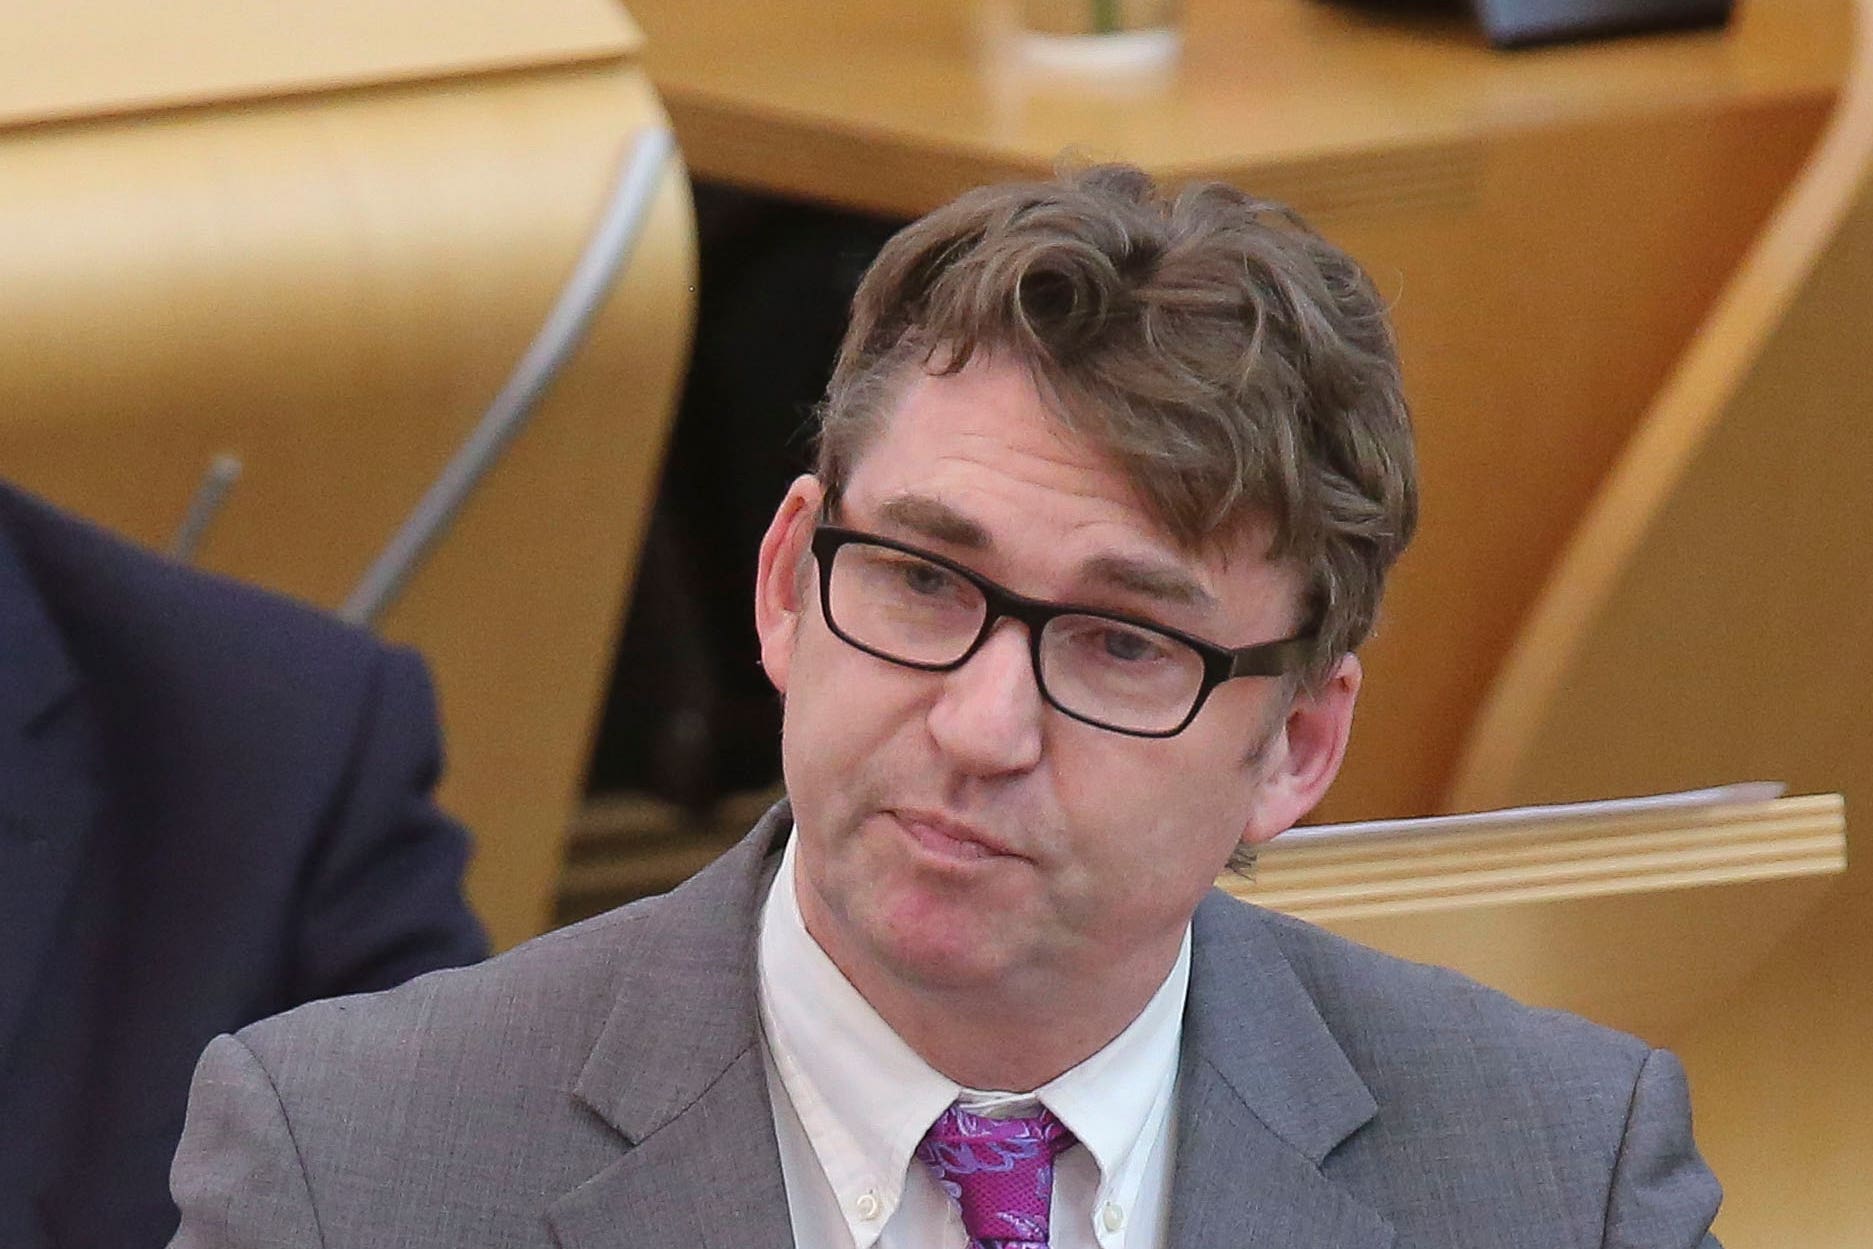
<point x="949" y="838"/>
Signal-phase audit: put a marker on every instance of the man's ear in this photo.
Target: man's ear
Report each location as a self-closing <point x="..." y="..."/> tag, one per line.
<point x="1303" y="755"/>
<point x="783" y="578"/>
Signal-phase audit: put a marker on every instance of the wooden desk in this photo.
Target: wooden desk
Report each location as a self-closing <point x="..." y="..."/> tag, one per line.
<point x="1551" y="224"/>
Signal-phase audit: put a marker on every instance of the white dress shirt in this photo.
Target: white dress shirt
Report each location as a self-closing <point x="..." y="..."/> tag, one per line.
<point x="852" y="1100"/>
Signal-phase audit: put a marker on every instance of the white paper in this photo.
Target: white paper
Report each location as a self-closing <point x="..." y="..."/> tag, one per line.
<point x="1741" y="792"/>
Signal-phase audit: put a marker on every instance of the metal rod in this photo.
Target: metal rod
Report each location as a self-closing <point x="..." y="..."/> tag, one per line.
<point x="210" y="496"/>
<point x="565" y="327"/>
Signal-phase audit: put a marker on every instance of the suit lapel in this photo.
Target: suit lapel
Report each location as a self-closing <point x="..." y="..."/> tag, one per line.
<point x="1265" y="1094"/>
<point x="48" y="799"/>
<point x="678" y="1072"/>
<point x="708" y="1179"/>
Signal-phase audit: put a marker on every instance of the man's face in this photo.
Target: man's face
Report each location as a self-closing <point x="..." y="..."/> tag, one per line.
<point x="956" y="832"/>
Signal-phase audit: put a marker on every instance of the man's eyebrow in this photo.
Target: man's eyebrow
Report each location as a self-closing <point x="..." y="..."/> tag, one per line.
<point x="929" y="518"/>
<point x="1163" y="582"/>
<point x="1151" y="579"/>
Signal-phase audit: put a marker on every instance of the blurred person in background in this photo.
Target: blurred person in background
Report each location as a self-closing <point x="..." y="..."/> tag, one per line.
<point x="214" y="805"/>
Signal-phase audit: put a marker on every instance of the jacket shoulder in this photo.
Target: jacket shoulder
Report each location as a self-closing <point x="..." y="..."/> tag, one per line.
<point x="528" y="1017"/>
<point x="1567" y="1126"/>
<point x="115" y="600"/>
<point x="207" y="675"/>
<point x="470" y="1071"/>
<point x="1442" y="1055"/>
<point x="1384" y="1008"/>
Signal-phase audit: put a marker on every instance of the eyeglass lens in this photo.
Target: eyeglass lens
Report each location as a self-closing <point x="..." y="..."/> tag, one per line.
<point x="916" y="612"/>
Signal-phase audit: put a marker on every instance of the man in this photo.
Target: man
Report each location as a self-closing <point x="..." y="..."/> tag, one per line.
<point x="1063" y="622"/>
<point x="213" y="805"/>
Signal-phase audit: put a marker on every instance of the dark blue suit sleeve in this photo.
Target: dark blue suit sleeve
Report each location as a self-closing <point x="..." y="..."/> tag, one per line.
<point x="382" y="899"/>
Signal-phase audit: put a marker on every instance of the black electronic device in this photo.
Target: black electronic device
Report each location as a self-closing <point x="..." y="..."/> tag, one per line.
<point x="1519" y="23"/>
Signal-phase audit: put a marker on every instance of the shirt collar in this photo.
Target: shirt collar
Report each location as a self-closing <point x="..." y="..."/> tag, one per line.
<point x="865" y="1098"/>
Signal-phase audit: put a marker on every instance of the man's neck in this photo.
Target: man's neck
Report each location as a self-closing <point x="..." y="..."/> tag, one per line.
<point x="1011" y="1037"/>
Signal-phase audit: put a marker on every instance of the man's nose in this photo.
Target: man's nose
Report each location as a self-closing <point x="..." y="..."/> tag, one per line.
<point x="988" y="715"/>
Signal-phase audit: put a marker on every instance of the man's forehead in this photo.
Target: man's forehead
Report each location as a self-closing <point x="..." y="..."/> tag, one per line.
<point x="1250" y="541"/>
<point x="993" y="412"/>
<point x="990" y="412"/>
<point x="1151" y="569"/>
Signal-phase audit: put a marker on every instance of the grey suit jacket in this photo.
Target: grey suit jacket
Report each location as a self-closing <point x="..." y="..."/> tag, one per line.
<point x="604" y="1086"/>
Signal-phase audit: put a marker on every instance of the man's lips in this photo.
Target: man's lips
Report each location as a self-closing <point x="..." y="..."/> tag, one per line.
<point x="947" y="837"/>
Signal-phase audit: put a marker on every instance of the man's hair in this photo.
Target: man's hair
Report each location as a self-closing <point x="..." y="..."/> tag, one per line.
<point x="1234" y="364"/>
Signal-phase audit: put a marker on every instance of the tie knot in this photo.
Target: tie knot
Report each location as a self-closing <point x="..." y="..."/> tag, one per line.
<point x="1000" y="1171"/>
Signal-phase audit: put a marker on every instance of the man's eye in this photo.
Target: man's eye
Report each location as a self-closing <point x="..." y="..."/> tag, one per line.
<point x="1131" y="646"/>
<point x="927" y="579"/>
<point x="1115" y="645"/>
<point x="911" y="580"/>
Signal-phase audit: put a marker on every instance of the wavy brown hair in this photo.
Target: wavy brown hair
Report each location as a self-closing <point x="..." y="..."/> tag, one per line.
<point x="1235" y="365"/>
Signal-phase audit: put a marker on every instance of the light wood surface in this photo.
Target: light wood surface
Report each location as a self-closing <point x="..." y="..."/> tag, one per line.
<point x="91" y="58"/>
<point x="1709" y="620"/>
<point x="333" y="287"/>
<point x="898" y="105"/>
<point x="1550" y="226"/>
<point x="1628" y="919"/>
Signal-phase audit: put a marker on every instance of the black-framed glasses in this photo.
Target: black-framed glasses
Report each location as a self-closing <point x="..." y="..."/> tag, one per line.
<point x="915" y="608"/>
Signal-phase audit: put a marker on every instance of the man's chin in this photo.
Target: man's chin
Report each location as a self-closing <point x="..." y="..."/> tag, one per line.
<point x="942" y="949"/>
<point x="940" y="967"/>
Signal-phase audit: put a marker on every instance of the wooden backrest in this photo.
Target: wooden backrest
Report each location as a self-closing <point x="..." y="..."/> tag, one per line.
<point x="328" y="265"/>
<point x="1713" y="620"/>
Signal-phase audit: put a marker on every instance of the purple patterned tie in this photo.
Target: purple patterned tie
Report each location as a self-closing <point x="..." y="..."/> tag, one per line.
<point x="1000" y="1171"/>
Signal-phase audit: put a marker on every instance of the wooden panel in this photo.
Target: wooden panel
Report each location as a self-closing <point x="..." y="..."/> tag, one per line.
<point x="86" y="58"/>
<point x="1708" y="621"/>
<point x="334" y="288"/>
<point x="1536" y="322"/>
